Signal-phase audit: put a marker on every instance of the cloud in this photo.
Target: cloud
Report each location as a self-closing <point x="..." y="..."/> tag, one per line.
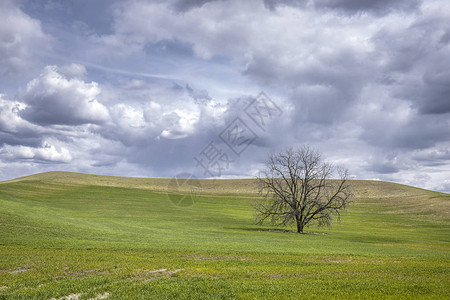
<point x="155" y="111"/>
<point x="212" y="29"/>
<point x="72" y="71"/>
<point x="377" y="7"/>
<point x="175" y="122"/>
<point x="157" y="81"/>
<point x="54" y="99"/>
<point x="184" y="5"/>
<point x="350" y="7"/>
<point x="163" y="129"/>
<point x="45" y="154"/>
<point x="21" y="40"/>
<point x="200" y="96"/>
<point x="13" y="129"/>
<point x="322" y="63"/>
<point x="414" y="55"/>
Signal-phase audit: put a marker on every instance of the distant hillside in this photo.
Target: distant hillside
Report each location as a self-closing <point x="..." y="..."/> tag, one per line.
<point x="409" y="199"/>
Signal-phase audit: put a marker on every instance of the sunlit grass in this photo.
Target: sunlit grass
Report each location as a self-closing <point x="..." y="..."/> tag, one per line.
<point x="66" y="233"/>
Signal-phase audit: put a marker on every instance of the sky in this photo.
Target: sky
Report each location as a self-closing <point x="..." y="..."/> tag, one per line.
<point x="210" y="88"/>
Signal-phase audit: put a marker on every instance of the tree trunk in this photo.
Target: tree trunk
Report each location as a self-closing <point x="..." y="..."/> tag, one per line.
<point x="299" y="225"/>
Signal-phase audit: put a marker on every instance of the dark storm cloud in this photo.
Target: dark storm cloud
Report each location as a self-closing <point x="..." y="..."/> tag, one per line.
<point x="433" y="158"/>
<point x="22" y="136"/>
<point x="273" y="4"/>
<point x="383" y="167"/>
<point x="429" y="92"/>
<point x="322" y="90"/>
<point x="184" y="5"/>
<point x="416" y="59"/>
<point x="416" y="132"/>
<point x="377" y="7"/>
<point x="437" y="92"/>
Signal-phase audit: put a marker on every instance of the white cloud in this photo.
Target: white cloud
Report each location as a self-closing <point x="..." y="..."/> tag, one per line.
<point x="54" y="99"/>
<point x="10" y="120"/>
<point x="136" y="125"/>
<point x="21" y="38"/>
<point x="46" y="153"/>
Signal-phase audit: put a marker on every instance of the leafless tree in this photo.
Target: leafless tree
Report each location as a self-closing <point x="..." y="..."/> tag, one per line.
<point x="297" y="189"/>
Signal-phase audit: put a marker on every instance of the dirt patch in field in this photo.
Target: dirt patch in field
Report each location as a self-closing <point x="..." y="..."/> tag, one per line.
<point x="78" y="295"/>
<point x="86" y="273"/>
<point x="19" y="271"/>
<point x="313" y="274"/>
<point x="154" y="274"/>
<point x="69" y="297"/>
<point x="100" y="296"/>
<point x="290" y="275"/>
<point x="421" y="247"/>
<point x="215" y="257"/>
<point x="339" y="259"/>
<point x="358" y="260"/>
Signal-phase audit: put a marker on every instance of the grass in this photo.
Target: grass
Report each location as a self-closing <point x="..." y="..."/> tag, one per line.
<point x="96" y="237"/>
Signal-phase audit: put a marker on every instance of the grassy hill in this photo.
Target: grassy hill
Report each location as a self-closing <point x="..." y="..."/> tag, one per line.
<point x="88" y="236"/>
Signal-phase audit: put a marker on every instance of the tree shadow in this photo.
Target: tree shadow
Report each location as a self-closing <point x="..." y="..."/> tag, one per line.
<point x="278" y="230"/>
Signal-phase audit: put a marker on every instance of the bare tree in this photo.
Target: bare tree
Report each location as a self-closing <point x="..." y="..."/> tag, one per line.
<point x="297" y="189"/>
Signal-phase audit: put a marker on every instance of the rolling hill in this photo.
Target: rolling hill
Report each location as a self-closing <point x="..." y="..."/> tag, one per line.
<point x="89" y="236"/>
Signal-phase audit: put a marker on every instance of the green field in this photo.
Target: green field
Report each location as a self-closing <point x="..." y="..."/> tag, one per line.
<point x="76" y="236"/>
